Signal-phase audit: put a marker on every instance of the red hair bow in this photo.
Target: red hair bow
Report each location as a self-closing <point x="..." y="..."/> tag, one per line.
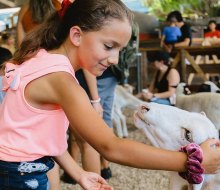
<point x="64" y="6"/>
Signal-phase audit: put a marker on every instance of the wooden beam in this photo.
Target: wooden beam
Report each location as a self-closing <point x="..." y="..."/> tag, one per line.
<point x="176" y="60"/>
<point x="8" y="3"/>
<point x="215" y="59"/>
<point x="195" y="66"/>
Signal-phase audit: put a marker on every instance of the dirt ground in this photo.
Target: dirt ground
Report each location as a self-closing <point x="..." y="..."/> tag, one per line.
<point x="127" y="178"/>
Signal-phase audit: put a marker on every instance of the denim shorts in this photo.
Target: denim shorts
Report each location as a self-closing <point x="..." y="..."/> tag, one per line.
<point x="161" y="101"/>
<point x="25" y="175"/>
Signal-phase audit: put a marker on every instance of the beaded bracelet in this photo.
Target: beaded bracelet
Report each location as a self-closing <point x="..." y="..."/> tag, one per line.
<point x="194" y="167"/>
<point x="95" y="101"/>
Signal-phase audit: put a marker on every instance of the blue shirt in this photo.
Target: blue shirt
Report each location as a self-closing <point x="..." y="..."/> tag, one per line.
<point x="171" y="33"/>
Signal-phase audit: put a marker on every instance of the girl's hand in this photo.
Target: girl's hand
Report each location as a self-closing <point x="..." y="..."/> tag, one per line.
<point x="92" y="181"/>
<point x="211" y="156"/>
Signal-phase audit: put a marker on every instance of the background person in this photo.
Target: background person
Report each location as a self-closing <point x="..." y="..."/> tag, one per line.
<point x="171" y="33"/>
<point x="186" y="38"/>
<point x="163" y="85"/>
<point x="8" y="41"/>
<point x="212" y="32"/>
<point x="212" y="35"/>
<point x="33" y="13"/>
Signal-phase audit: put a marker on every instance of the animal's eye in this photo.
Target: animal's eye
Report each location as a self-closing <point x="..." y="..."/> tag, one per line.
<point x="188" y="135"/>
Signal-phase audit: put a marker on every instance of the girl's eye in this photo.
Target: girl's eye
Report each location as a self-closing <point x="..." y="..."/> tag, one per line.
<point x="108" y="47"/>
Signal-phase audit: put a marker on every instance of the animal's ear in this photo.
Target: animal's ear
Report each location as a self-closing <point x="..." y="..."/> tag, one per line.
<point x="203" y="113"/>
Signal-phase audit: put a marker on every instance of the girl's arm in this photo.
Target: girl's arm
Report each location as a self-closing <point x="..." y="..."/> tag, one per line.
<point x="88" y="124"/>
<point x="67" y="93"/>
<point x="69" y="165"/>
<point x="88" y="180"/>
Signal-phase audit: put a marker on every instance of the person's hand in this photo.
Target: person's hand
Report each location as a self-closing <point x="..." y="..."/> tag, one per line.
<point x="147" y="95"/>
<point x="211" y="155"/>
<point x="93" y="181"/>
<point x="168" y="48"/>
<point x="98" y="108"/>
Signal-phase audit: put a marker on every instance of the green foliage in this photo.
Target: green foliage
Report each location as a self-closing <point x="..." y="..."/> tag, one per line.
<point x="201" y="8"/>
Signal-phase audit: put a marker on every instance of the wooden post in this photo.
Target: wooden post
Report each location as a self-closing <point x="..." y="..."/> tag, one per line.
<point x="176" y="60"/>
<point x="183" y="65"/>
<point x="194" y="65"/>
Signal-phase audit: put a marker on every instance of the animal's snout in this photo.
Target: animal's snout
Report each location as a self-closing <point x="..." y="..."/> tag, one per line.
<point x="144" y="109"/>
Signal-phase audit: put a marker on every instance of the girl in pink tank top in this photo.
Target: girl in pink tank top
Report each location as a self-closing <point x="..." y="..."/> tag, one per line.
<point x="43" y="96"/>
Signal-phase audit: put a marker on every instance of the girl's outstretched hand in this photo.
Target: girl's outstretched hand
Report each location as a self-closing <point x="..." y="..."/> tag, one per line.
<point x="211" y="156"/>
<point x="93" y="181"/>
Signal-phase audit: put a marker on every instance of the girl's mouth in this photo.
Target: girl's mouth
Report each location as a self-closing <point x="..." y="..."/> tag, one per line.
<point x="104" y="66"/>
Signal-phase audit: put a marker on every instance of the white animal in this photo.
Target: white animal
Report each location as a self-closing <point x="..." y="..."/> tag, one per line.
<point x="207" y="102"/>
<point x="123" y="98"/>
<point x="213" y="86"/>
<point x="170" y="128"/>
<point x="208" y="86"/>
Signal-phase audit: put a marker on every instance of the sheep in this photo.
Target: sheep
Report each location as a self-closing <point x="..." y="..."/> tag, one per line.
<point x="207" y="102"/>
<point x="209" y="86"/>
<point x="123" y="99"/>
<point x="170" y="128"/>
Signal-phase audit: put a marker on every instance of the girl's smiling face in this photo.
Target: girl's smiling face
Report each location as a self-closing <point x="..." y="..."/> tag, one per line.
<point x="100" y="49"/>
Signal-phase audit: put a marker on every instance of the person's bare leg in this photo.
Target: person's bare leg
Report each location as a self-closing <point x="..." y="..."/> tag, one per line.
<point x="104" y="163"/>
<point x="73" y="147"/>
<point x="89" y="156"/>
<point x="106" y="172"/>
<point x="54" y="177"/>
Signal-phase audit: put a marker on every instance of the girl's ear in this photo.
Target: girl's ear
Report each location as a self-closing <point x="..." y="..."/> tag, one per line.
<point x="75" y="35"/>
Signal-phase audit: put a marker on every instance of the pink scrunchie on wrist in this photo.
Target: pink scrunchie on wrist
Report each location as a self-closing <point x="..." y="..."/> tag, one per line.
<point x="194" y="168"/>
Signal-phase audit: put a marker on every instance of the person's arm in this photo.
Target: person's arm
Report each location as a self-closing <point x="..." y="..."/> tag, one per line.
<point x="162" y="40"/>
<point x="20" y="29"/>
<point x="173" y="80"/>
<point x="148" y="94"/>
<point x="88" y="180"/>
<point x="151" y="86"/>
<point x="68" y="94"/>
<point x="186" y="42"/>
<point x="93" y="89"/>
<point x="187" y="35"/>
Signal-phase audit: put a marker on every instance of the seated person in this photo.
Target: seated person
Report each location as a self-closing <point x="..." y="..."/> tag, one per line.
<point x="212" y="30"/>
<point x="186" y="38"/>
<point x="212" y="36"/>
<point x="163" y="86"/>
<point x="8" y="41"/>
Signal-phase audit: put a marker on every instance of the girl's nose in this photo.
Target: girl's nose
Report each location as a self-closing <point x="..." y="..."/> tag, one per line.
<point x="113" y="60"/>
